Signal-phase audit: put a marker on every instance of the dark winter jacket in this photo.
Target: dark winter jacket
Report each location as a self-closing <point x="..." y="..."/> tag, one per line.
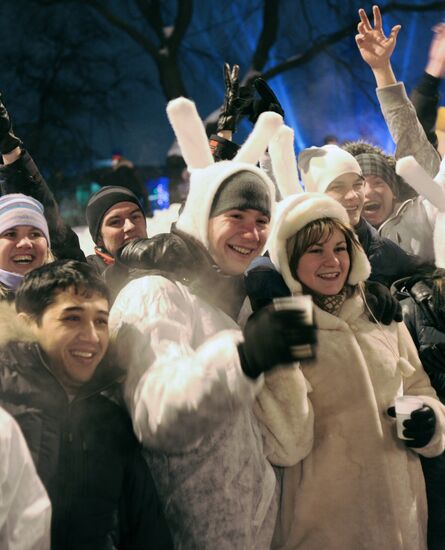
<point x="425" y="97"/>
<point x="100" y="261"/>
<point x="85" y="452"/>
<point x="23" y="176"/>
<point x="388" y="261"/>
<point x="426" y="326"/>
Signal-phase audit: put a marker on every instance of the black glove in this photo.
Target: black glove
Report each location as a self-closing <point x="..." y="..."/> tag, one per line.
<point x="8" y="141"/>
<point x="419" y="428"/>
<point x="235" y="100"/>
<point x="264" y="283"/>
<point x="433" y="358"/>
<point x="385" y="308"/>
<point x="268" y="102"/>
<point x="222" y="149"/>
<point x="268" y="338"/>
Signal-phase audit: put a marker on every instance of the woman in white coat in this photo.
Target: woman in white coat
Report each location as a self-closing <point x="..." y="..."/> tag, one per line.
<point x="348" y="481"/>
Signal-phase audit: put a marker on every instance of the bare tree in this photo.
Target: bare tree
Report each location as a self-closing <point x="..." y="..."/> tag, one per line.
<point x="163" y="44"/>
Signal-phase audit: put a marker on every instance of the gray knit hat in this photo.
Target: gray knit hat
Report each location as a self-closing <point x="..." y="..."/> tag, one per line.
<point x="243" y="190"/>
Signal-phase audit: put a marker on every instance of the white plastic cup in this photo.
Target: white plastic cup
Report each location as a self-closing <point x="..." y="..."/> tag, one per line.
<point x="405" y="405"/>
<point x="302" y="303"/>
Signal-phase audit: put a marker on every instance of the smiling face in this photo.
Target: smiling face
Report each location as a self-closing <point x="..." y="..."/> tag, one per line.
<point x="236" y="237"/>
<point x="348" y="190"/>
<point x="324" y="266"/>
<point x="22" y="248"/>
<point x="73" y="334"/>
<point x="121" y="223"/>
<point x="379" y="200"/>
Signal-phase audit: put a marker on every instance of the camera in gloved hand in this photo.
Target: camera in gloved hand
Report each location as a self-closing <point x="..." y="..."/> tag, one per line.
<point x="276" y="336"/>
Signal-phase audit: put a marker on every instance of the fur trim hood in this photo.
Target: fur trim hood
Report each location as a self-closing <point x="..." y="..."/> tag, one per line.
<point x="296" y="211"/>
<point x="12" y="328"/>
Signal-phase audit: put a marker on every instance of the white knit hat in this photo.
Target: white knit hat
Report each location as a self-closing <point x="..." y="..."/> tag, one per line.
<point x="320" y="166"/>
<point x="292" y="214"/>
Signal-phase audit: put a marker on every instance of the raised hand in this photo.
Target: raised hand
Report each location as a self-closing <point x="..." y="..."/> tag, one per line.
<point x="375" y="48"/>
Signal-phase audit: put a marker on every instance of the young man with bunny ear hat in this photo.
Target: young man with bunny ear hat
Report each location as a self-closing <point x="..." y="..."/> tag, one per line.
<point x="192" y="373"/>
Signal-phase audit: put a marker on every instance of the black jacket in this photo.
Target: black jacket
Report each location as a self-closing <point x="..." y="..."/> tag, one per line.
<point x="388" y="261"/>
<point x="86" y="455"/>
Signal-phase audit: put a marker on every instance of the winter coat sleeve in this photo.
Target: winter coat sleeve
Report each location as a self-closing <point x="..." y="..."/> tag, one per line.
<point x="23" y="176"/>
<point x="425" y="98"/>
<point x="418" y="383"/>
<point x="141" y="519"/>
<point x="180" y="384"/>
<point x="406" y="130"/>
<point x="25" y="510"/>
<point x="286" y="416"/>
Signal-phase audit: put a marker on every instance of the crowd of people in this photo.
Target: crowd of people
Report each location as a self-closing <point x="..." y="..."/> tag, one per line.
<point x="169" y="392"/>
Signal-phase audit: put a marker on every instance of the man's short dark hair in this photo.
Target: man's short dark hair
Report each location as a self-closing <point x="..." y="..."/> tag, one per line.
<point x="40" y="287"/>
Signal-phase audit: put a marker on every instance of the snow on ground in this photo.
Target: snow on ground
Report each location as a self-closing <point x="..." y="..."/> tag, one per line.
<point x="159" y="223"/>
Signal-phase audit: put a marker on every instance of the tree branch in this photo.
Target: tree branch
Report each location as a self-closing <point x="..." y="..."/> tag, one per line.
<point x="302" y="58"/>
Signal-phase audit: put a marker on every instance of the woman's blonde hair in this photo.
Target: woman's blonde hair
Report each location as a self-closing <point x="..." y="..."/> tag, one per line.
<point x="314" y="232"/>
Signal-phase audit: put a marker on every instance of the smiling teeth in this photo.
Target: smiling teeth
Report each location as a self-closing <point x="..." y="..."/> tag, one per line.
<point x="84" y="354"/>
<point x="329" y="275"/>
<point x="241" y="250"/>
<point x="26" y="258"/>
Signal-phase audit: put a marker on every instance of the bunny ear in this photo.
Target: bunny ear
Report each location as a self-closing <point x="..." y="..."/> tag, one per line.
<point x="440" y="176"/>
<point x="190" y="133"/>
<point x="284" y="163"/>
<point x="256" y="144"/>
<point x="411" y="171"/>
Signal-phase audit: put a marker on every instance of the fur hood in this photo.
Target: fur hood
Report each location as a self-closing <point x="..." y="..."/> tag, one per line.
<point x="296" y="211"/>
<point x="12" y="328"/>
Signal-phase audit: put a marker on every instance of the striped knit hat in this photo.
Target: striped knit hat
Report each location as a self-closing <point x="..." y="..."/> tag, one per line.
<point x="18" y="209"/>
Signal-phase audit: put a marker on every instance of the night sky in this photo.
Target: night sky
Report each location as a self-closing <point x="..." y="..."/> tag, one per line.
<point x="80" y="89"/>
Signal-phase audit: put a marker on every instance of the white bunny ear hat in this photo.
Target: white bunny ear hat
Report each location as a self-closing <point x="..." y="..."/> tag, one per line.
<point x="296" y="211"/>
<point x="434" y="191"/>
<point x="206" y="176"/>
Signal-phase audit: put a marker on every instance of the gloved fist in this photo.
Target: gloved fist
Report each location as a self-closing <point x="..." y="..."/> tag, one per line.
<point x="264" y="283"/>
<point x="269" y="336"/>
<point x="385" y="308"/>
<point x="235" y="99"/>
<point x="419" y="428"/>
<point x="268" y="102"/>
<point x="433" y="358"/>
<point x="8" y="141"/>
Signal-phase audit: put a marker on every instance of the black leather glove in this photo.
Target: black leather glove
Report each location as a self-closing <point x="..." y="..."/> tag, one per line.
<point x="268" y="102"/>
<point x="8" y="141"/>
<point x="433" y="358"/>
<point x="235" y="100"/>
<point x="268" y="338"/>
<point x="383" y="305"/>
<point x="264" y="283"/>
<point x="419" y="428"/>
